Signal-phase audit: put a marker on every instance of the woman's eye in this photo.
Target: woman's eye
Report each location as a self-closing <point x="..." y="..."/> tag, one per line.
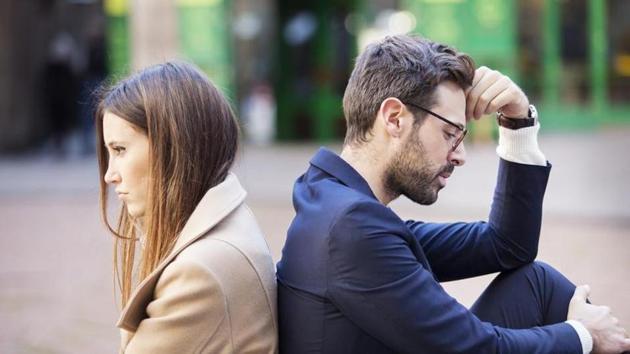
<point x="118" y="149"/>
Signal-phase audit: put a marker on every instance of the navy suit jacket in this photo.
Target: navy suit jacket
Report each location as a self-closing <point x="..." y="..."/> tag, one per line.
<point x="355" y="278"/>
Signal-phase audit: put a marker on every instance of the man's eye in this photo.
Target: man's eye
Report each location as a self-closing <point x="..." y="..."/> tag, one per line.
<point x="450" y="135"/>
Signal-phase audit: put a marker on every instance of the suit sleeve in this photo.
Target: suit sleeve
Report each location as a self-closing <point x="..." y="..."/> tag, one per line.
<point x="187" y="310"/>
<point x="377" y="282"/>
<point x="508" y="240"/>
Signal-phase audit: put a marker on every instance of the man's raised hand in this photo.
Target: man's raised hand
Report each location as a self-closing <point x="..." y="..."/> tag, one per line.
<point x="491" y="92"/>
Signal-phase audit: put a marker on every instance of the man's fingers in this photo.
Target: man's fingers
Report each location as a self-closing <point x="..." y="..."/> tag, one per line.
<point x="470" y="101"/>
<point x="492" y="91"/>
<point x="485" y="82"/>
<point x="503" y="98"/>
<point x="487" y="98"/>
<point x="581" y="293"/>
<point x="479" y="73"/>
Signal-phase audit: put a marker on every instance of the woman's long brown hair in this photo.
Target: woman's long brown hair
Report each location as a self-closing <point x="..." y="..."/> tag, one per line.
<point x="193" y="138"/>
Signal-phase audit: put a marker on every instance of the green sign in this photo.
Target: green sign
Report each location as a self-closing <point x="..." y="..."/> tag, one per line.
<point x="117" y="36"/>
<point x="204" y="38"/>
<point x="485" y="29"/>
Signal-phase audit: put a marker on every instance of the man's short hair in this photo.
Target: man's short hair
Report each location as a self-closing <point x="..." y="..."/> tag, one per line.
<point x="407" y="67"/>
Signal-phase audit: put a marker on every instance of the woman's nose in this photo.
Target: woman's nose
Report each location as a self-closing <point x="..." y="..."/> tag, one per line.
<point x="111" y="176"/>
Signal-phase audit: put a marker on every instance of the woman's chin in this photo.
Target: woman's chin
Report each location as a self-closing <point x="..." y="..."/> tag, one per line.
<point x="135" y="212"/>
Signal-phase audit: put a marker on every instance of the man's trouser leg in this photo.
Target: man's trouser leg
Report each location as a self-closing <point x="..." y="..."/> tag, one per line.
<point x="533" y="295"/>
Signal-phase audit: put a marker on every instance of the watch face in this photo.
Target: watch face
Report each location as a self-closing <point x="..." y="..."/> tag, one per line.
<point x="533" y="113"/>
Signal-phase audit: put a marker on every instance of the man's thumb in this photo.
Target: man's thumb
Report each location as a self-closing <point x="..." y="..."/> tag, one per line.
<point x="581" y="293"/>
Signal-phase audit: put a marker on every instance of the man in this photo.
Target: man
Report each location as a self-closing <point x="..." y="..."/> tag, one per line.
<point x="355" y="278"/>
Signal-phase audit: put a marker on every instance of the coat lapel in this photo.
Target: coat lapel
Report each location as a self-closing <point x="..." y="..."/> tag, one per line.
<point x="216" y="204"/>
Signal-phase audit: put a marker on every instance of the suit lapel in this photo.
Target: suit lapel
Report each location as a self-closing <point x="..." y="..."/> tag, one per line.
<point x="216" y="204"/>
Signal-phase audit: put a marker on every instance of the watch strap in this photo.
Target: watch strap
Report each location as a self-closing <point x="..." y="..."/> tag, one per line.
<point x="518" y="123"/>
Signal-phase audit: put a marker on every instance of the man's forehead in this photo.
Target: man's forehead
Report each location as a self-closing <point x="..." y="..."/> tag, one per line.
<point x="450" y="101"/>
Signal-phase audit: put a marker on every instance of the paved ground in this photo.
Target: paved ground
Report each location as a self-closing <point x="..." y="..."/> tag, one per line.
<point x="56" y="288"/>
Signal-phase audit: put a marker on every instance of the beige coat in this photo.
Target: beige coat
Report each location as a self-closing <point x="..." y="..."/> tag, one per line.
<point x="215" y="292"/>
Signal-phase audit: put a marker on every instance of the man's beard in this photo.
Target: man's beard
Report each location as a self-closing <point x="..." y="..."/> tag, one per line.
<point x="412" y="175"/>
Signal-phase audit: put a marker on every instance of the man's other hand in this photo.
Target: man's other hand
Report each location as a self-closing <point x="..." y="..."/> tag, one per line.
<point x="608" y="336"/>
<point x="492" y="92"/>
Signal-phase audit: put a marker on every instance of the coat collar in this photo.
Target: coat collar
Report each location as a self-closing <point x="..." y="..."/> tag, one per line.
<point x="216" y="204"/>
<point x="337" y="167"/>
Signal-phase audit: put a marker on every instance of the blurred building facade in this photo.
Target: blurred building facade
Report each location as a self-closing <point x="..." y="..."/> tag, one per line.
<point x="42" y="41"/>
<point x="285" y="64"/>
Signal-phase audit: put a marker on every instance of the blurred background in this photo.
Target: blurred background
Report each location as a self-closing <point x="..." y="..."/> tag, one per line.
<point x="284" y="65"/>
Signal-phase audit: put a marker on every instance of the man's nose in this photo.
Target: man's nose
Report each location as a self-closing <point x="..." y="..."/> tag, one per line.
<point x="458" y="156"/>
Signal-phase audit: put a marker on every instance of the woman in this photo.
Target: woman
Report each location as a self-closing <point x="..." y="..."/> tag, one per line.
<point x="200" y="269"/>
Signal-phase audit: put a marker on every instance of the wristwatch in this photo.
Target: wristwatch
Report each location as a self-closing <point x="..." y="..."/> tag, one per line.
<point x="518" y="123"/>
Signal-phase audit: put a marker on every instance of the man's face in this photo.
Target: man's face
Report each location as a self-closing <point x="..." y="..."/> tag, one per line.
<point x="426" y="158"/>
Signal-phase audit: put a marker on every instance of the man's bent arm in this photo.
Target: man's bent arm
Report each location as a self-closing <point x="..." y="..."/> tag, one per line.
<point x="378" y="283"/>
<point x="510" y="239"/>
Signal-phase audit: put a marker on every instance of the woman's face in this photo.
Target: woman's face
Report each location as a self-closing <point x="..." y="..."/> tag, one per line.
<point x="128" y="168"/>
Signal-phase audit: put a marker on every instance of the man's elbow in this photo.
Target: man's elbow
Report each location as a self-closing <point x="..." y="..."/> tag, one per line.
<point x="514" y="255"/>
<point x="521" y="257"/>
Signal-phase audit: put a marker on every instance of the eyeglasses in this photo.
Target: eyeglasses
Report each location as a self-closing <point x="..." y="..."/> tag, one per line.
<point x="461" y="130"/>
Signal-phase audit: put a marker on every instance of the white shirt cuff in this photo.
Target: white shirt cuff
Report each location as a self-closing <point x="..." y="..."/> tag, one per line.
<point x="521" y="146"/>
<point x="585" y="336"/>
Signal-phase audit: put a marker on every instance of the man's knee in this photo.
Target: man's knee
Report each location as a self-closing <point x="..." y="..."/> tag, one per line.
<point x="538" y="267"/>
<point x="546" y="269"/>
<point x="541" y="274"/>
<point x="536" y="271"/>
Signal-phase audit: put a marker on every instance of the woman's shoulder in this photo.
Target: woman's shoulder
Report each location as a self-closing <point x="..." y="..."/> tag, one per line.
<point x="240" y="232"/>
<point x="236" y="245"/>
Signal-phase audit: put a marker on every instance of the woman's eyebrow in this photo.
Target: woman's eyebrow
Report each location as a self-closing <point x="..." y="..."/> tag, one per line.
<point x="113" y="143"/>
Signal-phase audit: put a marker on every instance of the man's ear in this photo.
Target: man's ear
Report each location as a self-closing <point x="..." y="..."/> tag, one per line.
<point x="394" y="116"/>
